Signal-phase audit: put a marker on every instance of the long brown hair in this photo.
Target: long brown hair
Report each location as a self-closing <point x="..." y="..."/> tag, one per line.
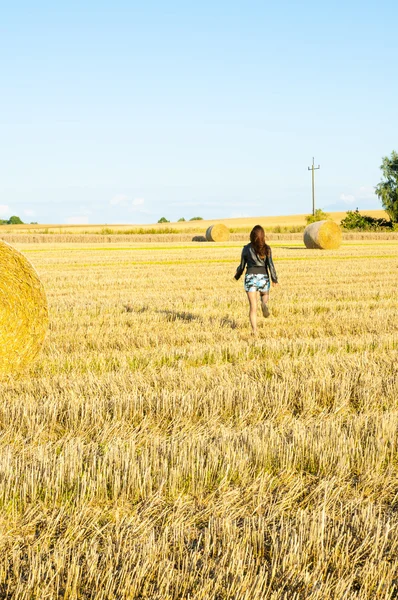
<point x="257" y="238"/>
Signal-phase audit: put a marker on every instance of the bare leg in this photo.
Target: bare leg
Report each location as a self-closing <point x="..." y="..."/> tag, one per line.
<point x="264" y="300"/>
<point x="252" y="297"/>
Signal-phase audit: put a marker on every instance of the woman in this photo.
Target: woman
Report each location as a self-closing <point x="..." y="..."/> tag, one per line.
<point x="258" y="257"/>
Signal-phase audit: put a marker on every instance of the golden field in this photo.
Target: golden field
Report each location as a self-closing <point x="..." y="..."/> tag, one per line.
<point x="161" y="453"/>
<point x="240" y="224"/>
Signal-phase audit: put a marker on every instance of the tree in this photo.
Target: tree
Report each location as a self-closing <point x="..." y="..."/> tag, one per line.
<point x="180" y="220"/>
<point x="14" y="220"/>
<point x="354" y="220"/>
<point x="387" y="189"/>
<point x="196" y="219"/>
<point x="319" y="215"/>
<point x="163" y="220"/>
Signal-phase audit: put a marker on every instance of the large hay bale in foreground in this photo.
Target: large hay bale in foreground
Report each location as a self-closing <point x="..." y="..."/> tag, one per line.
<point x="217" y="233"/>
<point x="23" y="311"/>
<point x="322" y="235"/>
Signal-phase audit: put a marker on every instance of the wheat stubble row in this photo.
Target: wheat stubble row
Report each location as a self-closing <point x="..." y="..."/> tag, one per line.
<point x="160" y="454"/>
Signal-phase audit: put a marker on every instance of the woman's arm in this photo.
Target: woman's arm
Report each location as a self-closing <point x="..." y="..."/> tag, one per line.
<point x="242" y="265"/>
<point x="271" y="268"/>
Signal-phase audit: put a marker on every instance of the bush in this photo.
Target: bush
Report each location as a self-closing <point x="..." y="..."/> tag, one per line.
<point x="354" y="220"/>
<point x="163" y="220"/>
<point x="14" y="220"/>
<point x="319" y="215"/>
<point x="180" y="220"/>
<point x="196" y="219"/>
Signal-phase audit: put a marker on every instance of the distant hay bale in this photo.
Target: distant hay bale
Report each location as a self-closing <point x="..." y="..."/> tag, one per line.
<point x="217" y="233"/>
<point x="23" y="311"/>
<point x="322" y="235"/>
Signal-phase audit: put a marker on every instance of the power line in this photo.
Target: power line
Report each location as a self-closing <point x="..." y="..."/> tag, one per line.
<point x="313" y="168"/>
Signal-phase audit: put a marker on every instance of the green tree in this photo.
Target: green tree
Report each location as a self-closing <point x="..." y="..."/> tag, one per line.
<point x="180" y="220"/>
<point x="163" y="220"/>
<point x="319" y="215"/>
<point x="354" y="220"/>
<point x="196" y="219"/>
<point x="387" y="189"/>
<point x="14" y="220"/>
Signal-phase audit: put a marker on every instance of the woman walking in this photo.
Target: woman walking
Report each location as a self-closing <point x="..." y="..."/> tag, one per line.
<point x="257" y="256"/>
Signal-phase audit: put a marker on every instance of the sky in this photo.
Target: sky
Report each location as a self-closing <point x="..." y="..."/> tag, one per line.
<point x="129" y="111"/>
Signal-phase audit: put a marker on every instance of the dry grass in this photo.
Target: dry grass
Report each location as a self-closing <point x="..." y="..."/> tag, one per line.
<point x="117" y="239"/>
<point x="198" y="227"/>
<point x="161" y="454"/>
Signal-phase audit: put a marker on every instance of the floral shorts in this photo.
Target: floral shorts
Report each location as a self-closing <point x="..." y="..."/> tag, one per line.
<point x="257" y="283"/>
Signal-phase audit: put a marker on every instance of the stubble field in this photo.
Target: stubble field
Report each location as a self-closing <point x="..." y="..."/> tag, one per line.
<point x="160" y="453"/>
<point x="240" y="224"/>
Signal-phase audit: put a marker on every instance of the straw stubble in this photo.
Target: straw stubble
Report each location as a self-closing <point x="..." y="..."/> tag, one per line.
<point x="160" y="454"/>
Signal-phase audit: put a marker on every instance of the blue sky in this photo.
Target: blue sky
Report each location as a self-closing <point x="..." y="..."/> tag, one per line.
<point x="124" y="112"/>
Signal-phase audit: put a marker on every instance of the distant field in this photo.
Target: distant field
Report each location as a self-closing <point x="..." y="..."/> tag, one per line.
<point x="243" y="224"/>
<point x="160" y="453"/>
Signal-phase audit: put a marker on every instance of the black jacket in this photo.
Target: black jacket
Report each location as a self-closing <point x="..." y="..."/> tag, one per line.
<point x="255" y="264"/>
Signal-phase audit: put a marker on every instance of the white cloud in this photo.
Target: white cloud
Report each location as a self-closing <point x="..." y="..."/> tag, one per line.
<point x="124" y="201"/>
<point x="119" y="200"/>
<point x="366" y="191"/>
<point x="4" y="209"/>
<point x="137" y="206"/>
<point x="28" y="212"/>
<point x="348" y="198"/>
<point x="80" y="220"/>
<point x="187" y="204"/>
<point x="83" y="210"/>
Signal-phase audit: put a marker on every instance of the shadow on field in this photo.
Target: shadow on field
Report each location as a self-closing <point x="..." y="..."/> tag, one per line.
<point x="293" y="247"/>
<point x="131" y="308"/>
<point x="188" y="317"/>
<point x="227" y="322"/>
<point x="199" y="238"/>
<point x="173" y="315"/>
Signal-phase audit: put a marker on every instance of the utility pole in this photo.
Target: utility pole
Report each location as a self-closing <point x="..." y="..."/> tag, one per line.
<point x="313" y="168"/>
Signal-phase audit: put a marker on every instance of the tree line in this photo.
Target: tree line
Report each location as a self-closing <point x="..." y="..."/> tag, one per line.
<point x="14" y="220"/>
<point x="386" y="190"/>
<point x="164" y="220"/>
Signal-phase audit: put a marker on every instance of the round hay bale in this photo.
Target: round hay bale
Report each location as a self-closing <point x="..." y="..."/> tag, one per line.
<point x="23" y="311"/>
<point x="322" y="235"/>
<point x="217" y="233"/>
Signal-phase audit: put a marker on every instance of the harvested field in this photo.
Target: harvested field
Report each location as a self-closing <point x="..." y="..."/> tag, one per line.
<point x="237" y="225"/>
<point x="159" y="453"/>
<point x="27" y="238"/>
